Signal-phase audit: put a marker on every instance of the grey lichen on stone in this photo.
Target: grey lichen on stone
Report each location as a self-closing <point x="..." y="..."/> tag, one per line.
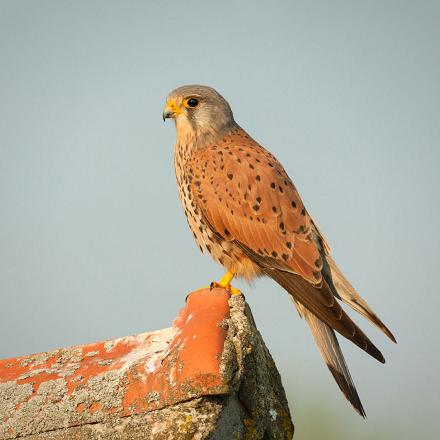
<point x="255" y="381"/>
<point x="11" y="395"/>
<point x="192" y="420"/>
<point x="105" y="388"/>
<point x="252" y="406"/>
<point x="53" y="390"/>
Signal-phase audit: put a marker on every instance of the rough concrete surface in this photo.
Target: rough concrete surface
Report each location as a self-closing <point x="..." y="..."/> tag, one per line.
<point x="210" y="376"/>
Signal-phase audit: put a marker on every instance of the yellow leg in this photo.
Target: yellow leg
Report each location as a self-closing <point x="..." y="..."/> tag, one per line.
<point x="226" y="280"/>
<point x="225" y="283"/>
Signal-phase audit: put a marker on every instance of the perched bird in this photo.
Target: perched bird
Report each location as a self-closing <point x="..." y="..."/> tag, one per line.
<point x="245" y="211"/>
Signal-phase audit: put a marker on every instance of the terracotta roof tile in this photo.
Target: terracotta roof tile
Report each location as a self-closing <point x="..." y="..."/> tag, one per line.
<point x="126" y="375"/>
<point x="210" y="375"/>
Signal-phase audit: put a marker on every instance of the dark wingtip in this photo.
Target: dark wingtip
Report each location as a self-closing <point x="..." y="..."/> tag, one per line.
<point x="373" y="351"/>
<point x="391" y="336"/>
<point x="387" y="331"/>
<point x="378" y="355"/>
<point x="348" y="390"/>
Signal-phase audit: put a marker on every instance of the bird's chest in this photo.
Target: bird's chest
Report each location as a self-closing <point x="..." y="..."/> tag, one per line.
<point x="184" y="177"/>
<point x="190" y="172"/>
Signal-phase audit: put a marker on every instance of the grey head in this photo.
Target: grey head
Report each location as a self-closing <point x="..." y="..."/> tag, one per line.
<point x="198" y="111"/>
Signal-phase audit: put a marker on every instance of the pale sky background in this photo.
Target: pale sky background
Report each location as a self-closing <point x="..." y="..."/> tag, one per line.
<point x="94" y="243"/>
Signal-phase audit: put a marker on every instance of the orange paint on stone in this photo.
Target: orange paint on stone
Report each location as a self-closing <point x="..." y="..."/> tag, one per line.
<point x="95" y="406"/>
<point x="80" y="407"/>
<point x="38" y="379"/>
<point x="149" y="370"/>
<point x="15" y="367"/>
<point x="192" y="364"/>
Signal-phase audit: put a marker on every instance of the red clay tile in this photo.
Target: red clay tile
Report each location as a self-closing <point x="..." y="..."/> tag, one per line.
<point x="127" y="375"/>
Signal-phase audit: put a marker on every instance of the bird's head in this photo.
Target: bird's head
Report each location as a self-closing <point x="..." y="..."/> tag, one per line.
<point x="198" y="111"/>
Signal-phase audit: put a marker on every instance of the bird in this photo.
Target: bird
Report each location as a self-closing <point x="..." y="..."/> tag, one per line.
<point x="243" y="209"/>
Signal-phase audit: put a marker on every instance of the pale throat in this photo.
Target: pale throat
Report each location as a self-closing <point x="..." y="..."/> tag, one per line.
<point x="194" y="137"/>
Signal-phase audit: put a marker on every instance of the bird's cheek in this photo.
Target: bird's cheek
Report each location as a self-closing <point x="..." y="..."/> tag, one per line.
<point x="183" y="125"/>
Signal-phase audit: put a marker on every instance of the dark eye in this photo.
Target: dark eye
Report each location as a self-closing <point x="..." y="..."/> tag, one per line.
<point x="193" y="102"/>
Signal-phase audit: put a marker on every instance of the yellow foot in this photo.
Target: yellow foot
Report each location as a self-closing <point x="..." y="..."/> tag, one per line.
<point x="225" y="283"/>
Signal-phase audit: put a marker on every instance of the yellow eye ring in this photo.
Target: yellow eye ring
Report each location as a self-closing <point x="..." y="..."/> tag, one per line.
<point x="190" y="102"/>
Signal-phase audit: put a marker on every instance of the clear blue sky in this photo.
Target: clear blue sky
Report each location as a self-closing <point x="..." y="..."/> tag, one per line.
<point x="93" y="241"/>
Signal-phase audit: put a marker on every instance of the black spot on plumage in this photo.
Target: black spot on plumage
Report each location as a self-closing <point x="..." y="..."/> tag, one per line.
<point x="227" y="233"/>
<point x="293" y="204"/>
<point x="256" y="207"/>
<point x="258" y="199"/>
<point x="258" y="178"/>
<point x="274" y="254"/>
<point x="230" y="176"/>
<point x="282" y="226"/>
<point x="226" y="253"/>
<point x="274" y="208"/>
<point x="285" y="257"/>
<point x="289" y="244"/>
<point x="272" y="185"/>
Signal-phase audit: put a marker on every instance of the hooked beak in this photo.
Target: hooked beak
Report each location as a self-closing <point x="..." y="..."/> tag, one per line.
<point x="167" y="114"/>
<point x="171" y="110"/>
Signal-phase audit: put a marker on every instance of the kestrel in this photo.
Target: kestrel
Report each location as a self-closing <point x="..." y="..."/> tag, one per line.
<point x="245" y="211"/>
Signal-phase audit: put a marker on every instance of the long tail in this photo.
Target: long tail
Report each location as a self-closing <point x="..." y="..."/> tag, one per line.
<point x="343" y="289"/>
<point x="328" y="346"/>
<point x="323" y="314"/>
<point x="322" y="303"/>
